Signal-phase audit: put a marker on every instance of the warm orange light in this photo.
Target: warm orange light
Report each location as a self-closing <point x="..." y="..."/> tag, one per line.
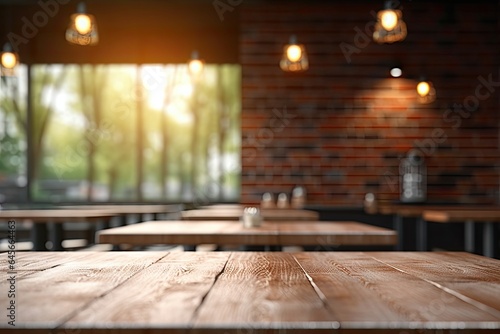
<point x="423" y="88"/>
<point x="294" y="53"/>
<point x="195" y="66"/>
<point x="83" y="24"/>
<point x="9" y="60"/>
<point x="389" y="19"/>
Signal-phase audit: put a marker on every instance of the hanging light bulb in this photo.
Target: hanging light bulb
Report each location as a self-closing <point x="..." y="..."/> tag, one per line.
<point x="82" y="29"/>
<point x="9" y="60"/>
<point x="195" y="65"/>
<point x="423" y="88"/>
<point x="83" y="24"/>
<point x="426" y="92"/>
<point x="390" y="26"/>
<point x="389" y="19"/>
<point x="294" y="57"/>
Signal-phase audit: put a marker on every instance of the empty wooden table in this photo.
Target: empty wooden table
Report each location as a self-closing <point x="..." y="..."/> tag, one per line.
<point x="125" y="210"/>
<point x="470" y="217"/>
<point x="402" y="210"/>
<point x="236" y="213"/>
<point x="246" y="292"/>
<point x="40" y="218"/>
<point x="271" y="233"/>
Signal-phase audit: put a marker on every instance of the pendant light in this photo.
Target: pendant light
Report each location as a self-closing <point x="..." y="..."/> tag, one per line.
<point x="294" y="57"/>
<point x="82" y="29"/>
<point x="425" y="91"/>
<point x="390" y="26"/>
<point x="9" y="60"/>
<point x="195" y="65"/>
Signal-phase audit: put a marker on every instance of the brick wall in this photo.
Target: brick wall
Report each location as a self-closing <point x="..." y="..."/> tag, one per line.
<point x="340" y="128"/>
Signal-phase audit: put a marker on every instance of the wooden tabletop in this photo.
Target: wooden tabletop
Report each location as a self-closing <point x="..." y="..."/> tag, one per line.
<point x="236" y="213"/>
<point x="298" y="233"/>
<point x="450" y="215"/>
<point x="245" y="292"/>
<point x="130" y="208"/>
<point x="55" y="215"/>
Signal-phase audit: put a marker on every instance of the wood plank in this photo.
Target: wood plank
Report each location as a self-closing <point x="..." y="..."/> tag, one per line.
<point x="459" y="272"/>
<point x="347" y="298"/>
<point x="394" y="288"/>
<point x="258" y="289"/>
<point x="50" y="296"/>
<point x="166" y="294"/>
<point x="27" y="264"/>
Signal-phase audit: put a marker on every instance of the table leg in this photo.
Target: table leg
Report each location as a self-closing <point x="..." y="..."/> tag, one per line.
<point x="56" y="236"/>
<point x="421" y="234"/>
<point x="189" y="248"/>
<point x="155" y="216"/>
<point x="39" y="236"/>
<point x="398" y="226"/>
<point x="488" y="239"/>
<point x="123" y="220"/>
<point x="469" y="230"/>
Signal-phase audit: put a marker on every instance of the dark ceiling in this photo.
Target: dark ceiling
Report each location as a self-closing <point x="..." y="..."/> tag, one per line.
<point x="152" y="31"/>
<point x="133" y="31"/>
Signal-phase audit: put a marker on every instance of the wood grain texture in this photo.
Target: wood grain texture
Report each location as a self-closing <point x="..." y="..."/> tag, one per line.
<point x="175" y="285"/>
<point x="297" y="233"/>
<point x="413" y="297"/>
<point x="244" y="292"/>
<point x="262" y="288"/>
<point x="51" y="296"/>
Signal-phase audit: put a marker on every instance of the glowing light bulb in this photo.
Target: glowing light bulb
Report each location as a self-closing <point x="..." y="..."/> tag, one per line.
<point x="389" y="19"/>
<point x="9" y="60"/>
<point x="83" y="24"/>
<point x="423" y="88"/>
<point x="195" y="66"/>
<point x="294" y="53"/>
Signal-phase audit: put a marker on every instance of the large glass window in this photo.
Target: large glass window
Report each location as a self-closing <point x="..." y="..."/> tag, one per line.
<point x="13" y="137"/>
<point x="128" y="133"/>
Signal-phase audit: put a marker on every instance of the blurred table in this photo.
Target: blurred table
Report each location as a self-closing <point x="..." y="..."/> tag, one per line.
<point x="40" y="233"/>
<point x="415" y="211"/>
<point x="124" y="210"/>
<point x="246" y="292"/>
<point x="282" y="233"/>
<point x="236" y="213"/>
<point x="469" y="217"/>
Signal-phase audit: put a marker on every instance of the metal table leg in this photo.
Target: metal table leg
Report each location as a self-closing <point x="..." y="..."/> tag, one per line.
<point x="39" y="236"/>
<point x="421" y="234"/>
<point x="469" y="230"/>
<point x="488" y="239"/>
<point x="56" y="236"/>
<point x="397" y="222"/>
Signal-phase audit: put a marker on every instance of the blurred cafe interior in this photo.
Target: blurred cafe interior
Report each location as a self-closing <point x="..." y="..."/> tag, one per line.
<point x="282" y="126"/>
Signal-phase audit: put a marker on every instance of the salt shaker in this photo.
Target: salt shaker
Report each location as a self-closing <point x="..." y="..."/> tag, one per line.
<point x="298" y="200"/>
<point x="282" y="201"/>
<point x="267" y="201"/>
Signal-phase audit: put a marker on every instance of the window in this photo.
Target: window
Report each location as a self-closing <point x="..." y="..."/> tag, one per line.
<point x="132" y="133"/>
<point x="13" y="139"/>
